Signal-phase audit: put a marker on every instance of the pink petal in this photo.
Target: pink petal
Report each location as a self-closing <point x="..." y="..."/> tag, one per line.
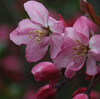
<point x="91" y="68"/>
<point x="95" y="55"/>
<point x="55" y="26"/>
<point x="70" y="33"/>
<point x="26" y="25"/>
<point x="78" y="63"/>
<point x="74" y="66"/>
<point x="37" y="12"/>
<point x="92" y="26"/>
<point x="19" y="39"/>
<point x="94" y="44"/>
<point x="35" y="52"/>
<point x="21" y="34"/>
<point x="56" y="44"/>
<point x="70" y="72"/>
<point x="63" y="58"/>
<point x="81" y="26"/>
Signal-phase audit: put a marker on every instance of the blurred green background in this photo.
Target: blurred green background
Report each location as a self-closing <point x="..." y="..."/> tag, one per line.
<point x="16" y="80"/>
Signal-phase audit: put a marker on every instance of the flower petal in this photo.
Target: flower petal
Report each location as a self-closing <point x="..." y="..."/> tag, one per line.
<point x="35" y="52"/>
<point x="37" y="12"/>
<point x="78" y="63"/>
<point x="55" y="26"/>
<point x="70" y="72"/>
<point x="26" y="26"/>
<point x="21" y="34"/>
<point x="74" y="66"/>
<point x="91" y="68"/>
<point x="56" y="43"/>
<point x="95" y="55"/>
<point x="19" y="39"/>
<point x="72" y="34"/>
<point x="94" y="44"/>
<point x="81" y="26"/>
<point x="63" y="58"/>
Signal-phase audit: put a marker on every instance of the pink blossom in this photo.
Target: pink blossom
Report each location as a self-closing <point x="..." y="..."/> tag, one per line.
<point x="45" y="71"/>
<point x="81" y="96"/>
<point x="38" y="32"/>
<point x="77" y="47"/>
<point x="46" y="93"/>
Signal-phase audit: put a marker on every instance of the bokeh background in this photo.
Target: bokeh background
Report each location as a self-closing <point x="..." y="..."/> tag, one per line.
<point x="16" y="80"/>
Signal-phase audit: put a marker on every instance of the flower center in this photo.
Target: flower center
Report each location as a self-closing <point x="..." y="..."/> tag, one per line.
<point x="39" y="34"/>
<point x="79" y="51"/>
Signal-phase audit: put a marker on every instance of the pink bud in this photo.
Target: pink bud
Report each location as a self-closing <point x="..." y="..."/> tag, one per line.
<point x="46" y="93"/>
<point x="81" y="96"/>
<point x="80" y="90"/>
<point x="45" y="71"/>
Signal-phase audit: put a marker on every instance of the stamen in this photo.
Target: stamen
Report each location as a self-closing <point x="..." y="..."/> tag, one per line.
<point x="38" y="34"/>
<point x="29" y="36"/>
<point x="79" y="51"/>
<point x="74" y="48"/>
<point x="82" y="55"/>
<point x="37" y="40"/>
<point x="31" y="32"/>
<point x="74" y="57"/>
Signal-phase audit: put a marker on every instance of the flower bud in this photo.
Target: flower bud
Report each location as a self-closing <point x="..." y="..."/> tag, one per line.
<point x="45" y="71"/>
<point x="81" y="96"/>
<point x="80" y="90"/>
<point x="46" y="93"/>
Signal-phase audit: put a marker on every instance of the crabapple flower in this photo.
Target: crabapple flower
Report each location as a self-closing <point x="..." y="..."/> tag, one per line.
<point x="81" y="96"/>
<point x="45" y="71"/>
<point x="77" y="47"/>
<point x="38" y="32"/>
<point x="46" y="93"/>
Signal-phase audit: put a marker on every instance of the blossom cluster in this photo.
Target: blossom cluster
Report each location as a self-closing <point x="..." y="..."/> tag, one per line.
<point x="70" y="47"/>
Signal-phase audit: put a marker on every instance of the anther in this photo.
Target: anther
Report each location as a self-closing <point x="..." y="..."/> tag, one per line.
<point x="37" y="40"/>
<point x="31" y="32"/>
<point x="29" y="36"/>
<point x="74" y="48"/>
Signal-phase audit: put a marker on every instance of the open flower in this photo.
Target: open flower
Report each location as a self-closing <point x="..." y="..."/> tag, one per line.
<point x="38" y="32"/>
<point x="77" y="47"/>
